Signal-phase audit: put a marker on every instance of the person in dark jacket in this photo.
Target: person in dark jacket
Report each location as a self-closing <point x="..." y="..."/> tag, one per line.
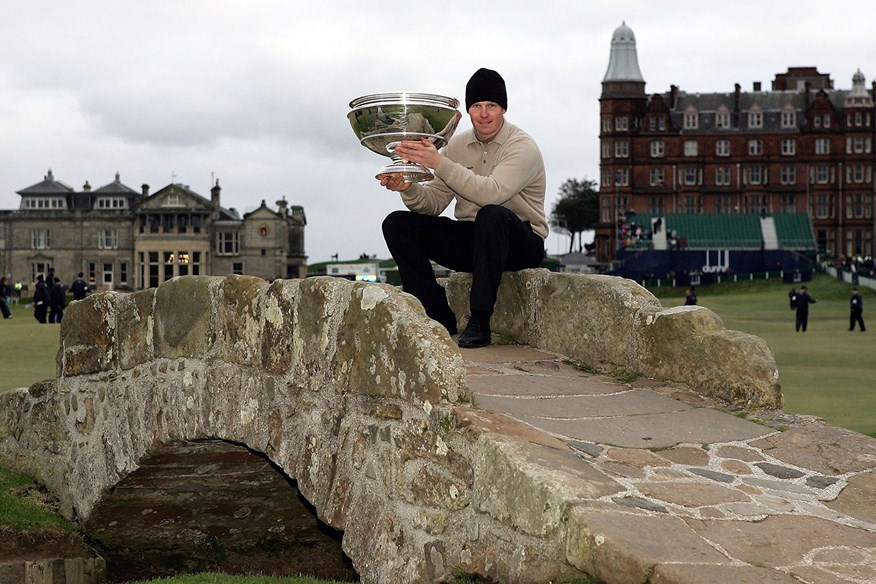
<point x="79" y="288"/>
<point x="57" y="301"/>
<point x="5" y="295"/>
<point x="803" y="302"/>
<point x="40" y="300"/>
<point x="857" y="311"/>
<point x="690" y="297"/>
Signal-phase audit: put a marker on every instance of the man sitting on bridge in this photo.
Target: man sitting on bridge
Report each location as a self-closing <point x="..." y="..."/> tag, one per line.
<point x="495" y="173"/>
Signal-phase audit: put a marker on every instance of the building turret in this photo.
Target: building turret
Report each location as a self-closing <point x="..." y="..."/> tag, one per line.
<point x="623" y="77"/>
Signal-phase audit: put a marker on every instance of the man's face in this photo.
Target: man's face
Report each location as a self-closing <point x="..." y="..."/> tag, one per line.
<point x="487" y="118"/>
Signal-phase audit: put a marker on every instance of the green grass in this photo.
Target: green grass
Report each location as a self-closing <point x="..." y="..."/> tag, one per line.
<point x="828" y="371"/>
<point x="24" y="506"/>
<point x="28" y="349"/>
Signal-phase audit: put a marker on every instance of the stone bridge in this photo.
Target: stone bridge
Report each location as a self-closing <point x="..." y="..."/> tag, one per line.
<point x="352" y="392"/>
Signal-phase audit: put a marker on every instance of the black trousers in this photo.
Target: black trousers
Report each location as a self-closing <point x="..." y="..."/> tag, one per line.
<point x="802" y="321"/>
<point x="856" y="316"/>
<point x="496" y="241"/>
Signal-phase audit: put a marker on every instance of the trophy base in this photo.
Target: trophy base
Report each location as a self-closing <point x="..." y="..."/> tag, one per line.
<point x="412" y="173"/>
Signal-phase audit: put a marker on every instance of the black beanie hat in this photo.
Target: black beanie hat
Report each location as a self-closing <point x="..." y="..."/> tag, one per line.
<point x="486" y="85"/>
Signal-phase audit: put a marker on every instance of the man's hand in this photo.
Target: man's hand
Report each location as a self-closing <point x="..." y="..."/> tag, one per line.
<point x="394" y="181"/>
<point x="421" y="151"/>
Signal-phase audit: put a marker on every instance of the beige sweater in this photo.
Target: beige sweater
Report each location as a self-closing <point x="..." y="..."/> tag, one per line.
<point x="508" y="170"/>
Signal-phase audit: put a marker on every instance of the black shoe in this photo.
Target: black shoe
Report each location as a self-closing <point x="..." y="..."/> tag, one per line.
<point x="476" y="334"/>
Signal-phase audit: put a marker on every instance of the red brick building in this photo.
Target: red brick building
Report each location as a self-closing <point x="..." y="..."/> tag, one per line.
<point x="799" y="147"/>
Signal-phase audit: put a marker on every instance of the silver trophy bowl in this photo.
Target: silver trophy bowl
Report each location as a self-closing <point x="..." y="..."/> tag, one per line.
<point x="382" y="120"/>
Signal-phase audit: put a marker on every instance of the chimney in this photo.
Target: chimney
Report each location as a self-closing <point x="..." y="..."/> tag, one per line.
<point x="214" y="194"/>
<point x="755" y="86"/>
<point x="737" y="89"/>
<point x="86" y="188"/>
<point x="145" y="190"/>
<point x="283" y="207"/>
<point x="806" y="89"/>
<point x="673" y="96"/>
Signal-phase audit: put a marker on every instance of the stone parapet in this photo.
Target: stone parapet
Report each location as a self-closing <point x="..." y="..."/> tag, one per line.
<point x="351" y="391"/>
<point x="610" y="323"/>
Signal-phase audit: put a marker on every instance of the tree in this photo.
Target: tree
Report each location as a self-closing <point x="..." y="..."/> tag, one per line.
<point x="577" y="209"/>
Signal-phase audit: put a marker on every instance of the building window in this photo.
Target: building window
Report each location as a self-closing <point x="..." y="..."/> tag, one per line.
<point x="722" y="118"/>
<point x="621" y="124"/>
<point x="856" y="205"/>
<point x="858" y="145"/>
<point x="822" y="206"/>
<point x="40" y="239"/>
<point x="825" y="120"/>
<point x="756" y="204"/>
<point x="38" y="269"/>
<point x="789" y="147"/>
<point x="153" y="269"/>
<point x="172" y="200"/>
<point x="755" y="118"/>
<point x="691" y="119"/>
<point x="606" y="150"/>
<point x="722" y="148"/>
<point x="606" y="124"/>
<point x="724" y="204"/>
<point x="227" y="243"/>
<point x="690" y="147"/>
<point x="789" y="118"/>
<point x="789" y="203"/>
<point x="858" y="173"/>
<point x="657" y="177"/>
<point x="123" y="273"/>
<point x="621" y="149"/>
<point x="822" y="146"/>
<point x="112" y="203"/>
<point x="107" y="239"/>
<point x="237" y="268"/>
<point x="50" y="203"/>
<point x="689" y="176"/>
<point x="658" y="148"/>
<point x="657" y="206"/>
<point x="722" y="175"/>
<point x="622" y="177"/>
<point x="755" y="147"/>
<point x="753" y="175"/>
<point x="108" y="275"/>
<point x="661" y="123"/>
<point x="692" y="204"/>
<point x="822" y="174"/>
<point x="788" y="175"/>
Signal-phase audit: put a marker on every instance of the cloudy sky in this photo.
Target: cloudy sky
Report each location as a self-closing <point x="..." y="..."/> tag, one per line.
<point x="255" y="93"/>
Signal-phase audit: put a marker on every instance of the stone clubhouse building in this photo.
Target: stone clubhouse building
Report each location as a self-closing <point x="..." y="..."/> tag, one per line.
<point x="124" y="239"/>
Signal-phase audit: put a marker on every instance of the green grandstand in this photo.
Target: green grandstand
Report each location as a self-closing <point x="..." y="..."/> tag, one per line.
<point x="788" y="231"/>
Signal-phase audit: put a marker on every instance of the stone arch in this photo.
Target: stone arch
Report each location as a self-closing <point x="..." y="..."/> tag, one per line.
<point x="212" y="506"/>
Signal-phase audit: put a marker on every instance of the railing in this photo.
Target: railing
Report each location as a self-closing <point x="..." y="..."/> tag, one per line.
<point x="791" y="276"/>
<point x="850" y="277"/>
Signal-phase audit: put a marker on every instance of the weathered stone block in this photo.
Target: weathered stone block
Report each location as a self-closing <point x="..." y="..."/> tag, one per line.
<point x="88" y="335"/>
<point x="382" y="350"/>
<point x="135" y="328"/>
<point x="239" y="320"/>
<point x="690" y="344"/>
<point x="280" y="327"/>
<point x="184" y="310"/>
